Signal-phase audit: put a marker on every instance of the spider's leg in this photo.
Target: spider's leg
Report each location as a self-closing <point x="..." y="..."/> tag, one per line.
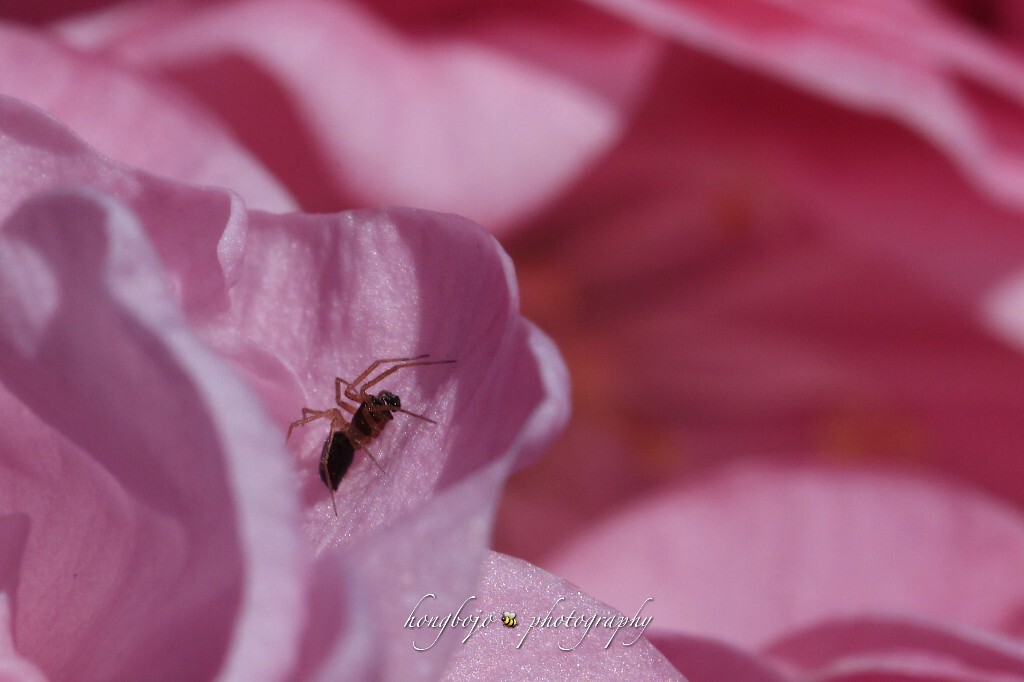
<point x="392" y="370"/>
<point x="353" y="391"/>
<point x="308" y="415"/>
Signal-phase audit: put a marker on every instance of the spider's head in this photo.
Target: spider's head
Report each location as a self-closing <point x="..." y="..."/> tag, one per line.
<point x="388" y="398"/>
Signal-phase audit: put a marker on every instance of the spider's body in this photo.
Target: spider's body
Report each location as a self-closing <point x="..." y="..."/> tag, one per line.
<point x="340" y="447"/>
<point x="369" y="418"/>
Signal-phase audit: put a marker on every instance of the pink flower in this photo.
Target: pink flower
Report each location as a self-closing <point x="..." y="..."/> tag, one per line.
<point x="156" y="339"/>
<point x="779" y="230"/>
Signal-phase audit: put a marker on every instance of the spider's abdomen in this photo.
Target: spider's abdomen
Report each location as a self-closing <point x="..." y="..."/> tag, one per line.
<point x="339" y="454"/>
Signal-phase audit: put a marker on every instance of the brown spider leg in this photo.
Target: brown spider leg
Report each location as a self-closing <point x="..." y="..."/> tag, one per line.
<point x="374" y="460"/>
<point x="309" y="415"/>
<point x="394" y="369"/>
<point x="338" y="381"/>
<point x="337" y="420"/>
<point x="415" y="414"/>
<point x="359" y="440"/>
<point x="350" y="391"/>
<point x="374" y="365"/>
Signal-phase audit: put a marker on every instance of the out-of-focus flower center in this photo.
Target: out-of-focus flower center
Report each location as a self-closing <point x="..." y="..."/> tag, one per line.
<point x="557" y="303"/>
<point x="856" y="434"/>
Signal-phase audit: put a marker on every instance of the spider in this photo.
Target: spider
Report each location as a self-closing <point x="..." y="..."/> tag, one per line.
<point x="367" y="422"/>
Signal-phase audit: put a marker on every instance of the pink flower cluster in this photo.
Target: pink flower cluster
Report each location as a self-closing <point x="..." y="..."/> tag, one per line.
<point x="779" y="244"/>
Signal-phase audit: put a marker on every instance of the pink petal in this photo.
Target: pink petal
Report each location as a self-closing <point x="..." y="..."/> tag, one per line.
<point x="487" y="119"/>
<point x="606" y="651"/>
<point x="380" y="283"/>
<point x="903" y="59"/>
<point x="14" y="530"/>
<point x="339" y="641"/>
<point x="293" y="301"/>
<point x="322" y="296"/>
<point x="319" y="297"/>
<point x="432" y="510"/>
<point x="156" y="505"/>
<point x="708" y="660"/>
<point x="703" y="183"/>
<point x="870" y="648"/>
<point x="753" y="552"/>
<point x="197" y="233"/>
<point x="131" y="118"/>
<point x="435" y="529"/>
<point x="41" y="12"/>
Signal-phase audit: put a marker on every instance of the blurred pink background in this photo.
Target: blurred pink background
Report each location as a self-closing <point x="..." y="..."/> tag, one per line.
<point x="778" y="242"/>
